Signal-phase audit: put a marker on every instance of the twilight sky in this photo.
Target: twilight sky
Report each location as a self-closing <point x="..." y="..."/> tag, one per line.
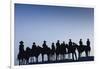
<point x="35" y="23"/>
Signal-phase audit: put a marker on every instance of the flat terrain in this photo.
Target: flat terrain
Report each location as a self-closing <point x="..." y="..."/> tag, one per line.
<point x="90" y="58"/>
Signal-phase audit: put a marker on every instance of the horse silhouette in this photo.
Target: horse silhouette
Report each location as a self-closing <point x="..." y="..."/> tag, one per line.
<point x="56" y="53"/>
<point x="21" y="54"/>
<point x="45" y="50"/>
<point x="84" y="48"/>
<point x="58" y="50"/>
<point x="63" y="50"/>
<point x="71" y="49"/>
<point x="27" y="55"/>
<point x="88" y="48"/>
<point x="52" y="52"/>
<point x="38" y="52"/>
<point x="34" y="50"/>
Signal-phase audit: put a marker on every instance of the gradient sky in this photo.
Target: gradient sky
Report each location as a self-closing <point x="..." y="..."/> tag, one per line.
<point x="35" y="23"/>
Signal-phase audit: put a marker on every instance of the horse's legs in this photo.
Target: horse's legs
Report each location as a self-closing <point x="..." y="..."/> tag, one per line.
<point x="31" y="59"/>
<point x="75" y="56"/>
<point x="52" y="57"/>
<point x="42" y="57"/>
<point x="68" y="55"/>
<point x="72" y="56"/>
<point x="56" y="57"/>
<point x="63" y="56"/>
<point x="37" y="59"/>
<point x="48" y="58"/>
<point x="86" y="52"/>
<point x="19" y="61"/>
<point x="22" y="62"/>
<point x="79" y="55"/>
<point x="26" y="61"/>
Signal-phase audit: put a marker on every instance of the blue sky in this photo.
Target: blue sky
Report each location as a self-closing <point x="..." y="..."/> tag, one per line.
<point x="35" y="23"/>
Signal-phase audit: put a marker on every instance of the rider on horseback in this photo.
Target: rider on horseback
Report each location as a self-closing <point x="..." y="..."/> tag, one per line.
<point x="21" y="47"/>
<point x="70" y="42"/>
<point x="88" y="42"/>
<point x="21" y="54"/>
<point x="80" y="42"/>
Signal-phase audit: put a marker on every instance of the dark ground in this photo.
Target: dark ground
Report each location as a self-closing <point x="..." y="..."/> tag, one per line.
<point x="90" y="58"/>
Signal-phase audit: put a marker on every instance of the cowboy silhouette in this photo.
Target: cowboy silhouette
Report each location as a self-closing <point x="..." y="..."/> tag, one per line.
<point x="70" y="42"/>
<point x="87" y="48"/>
<point x="88" y="42"/>
<point x="52" y="52"/>
<point x="63" y="50"/>
<point x="21" y="46"/>
<point x="21" y="53"/>
<point x="44" y="44"/>
<point x="33" y="53"/>
<point x="46" y="50"/>
<point x="57" y="49"/>
<point x="53" y="47"/>
<point x="80" y="42"/>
